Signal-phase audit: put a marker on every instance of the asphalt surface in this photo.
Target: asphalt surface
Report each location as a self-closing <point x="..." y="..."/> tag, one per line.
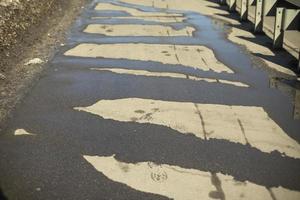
<point x="104" y="125"/>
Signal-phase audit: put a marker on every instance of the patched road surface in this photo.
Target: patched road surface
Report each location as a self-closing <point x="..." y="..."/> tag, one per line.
<point x="150" y="102"/>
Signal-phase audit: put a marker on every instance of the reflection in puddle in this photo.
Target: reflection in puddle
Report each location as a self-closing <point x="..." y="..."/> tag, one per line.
<point x="170" y="75"/>
<point x="239" y="124"/>
<point x="193" y="56"/>
<point x="180" y="183"/>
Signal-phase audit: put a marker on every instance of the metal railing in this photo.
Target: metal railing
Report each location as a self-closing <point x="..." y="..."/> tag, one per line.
<point x="278" y="19"/>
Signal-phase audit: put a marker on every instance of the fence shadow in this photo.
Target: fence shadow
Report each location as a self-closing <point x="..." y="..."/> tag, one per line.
<point x="2" y="196"/>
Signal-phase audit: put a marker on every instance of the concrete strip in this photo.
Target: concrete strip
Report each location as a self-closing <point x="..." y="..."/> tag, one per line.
<point x="283" y="193"/>
<point x="200" y="6"/>
<point x="179" y="183"/>
<point x="239" y="124"/>
<point x="137" y="30"/>
<point x="169" y="75"/>
<point x="198" y="57"/>
<point x="133" y="11"/>
<point x="170" y="181"/>
<point x="147" y="18"/>
<point x="20" y="132"/>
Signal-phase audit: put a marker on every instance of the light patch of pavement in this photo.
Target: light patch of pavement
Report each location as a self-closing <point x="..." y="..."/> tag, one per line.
<point x="237" y="35"/>
<point x="20" y="132"/>
<point x="138" y="30"/>
<point x="204" y="7"/>
<point x="183" y="184"/>
<point x="285" y="194"/>
<point x="238" y="124"/>
<point x="169" y="75"/>
<point x="149" y="18"/>
<point x="198" y="57"/>
<point x="133" y="11"/>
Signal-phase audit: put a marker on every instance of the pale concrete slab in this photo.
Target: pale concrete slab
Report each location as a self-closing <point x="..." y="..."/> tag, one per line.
<point x="182" y="184"/>
<point x="161" y="19"/>
<point x="283" y="193"/>
<point x="170" y="181"/>
<point x="169" y="75"/>
<point x="138" y="30"/>
<point x="133" y="11"/>
<point x="198" y="57"/>
<point x="238" y="124"/>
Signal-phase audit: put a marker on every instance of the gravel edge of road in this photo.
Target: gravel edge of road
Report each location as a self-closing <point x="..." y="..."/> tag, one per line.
<point x="20" y="78"/>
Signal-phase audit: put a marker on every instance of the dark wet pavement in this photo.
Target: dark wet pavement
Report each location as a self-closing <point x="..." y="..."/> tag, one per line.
<point x="50" y="164"/>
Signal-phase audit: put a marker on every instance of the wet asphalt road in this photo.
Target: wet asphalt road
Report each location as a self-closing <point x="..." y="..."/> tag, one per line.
<point x="50" y="164"/>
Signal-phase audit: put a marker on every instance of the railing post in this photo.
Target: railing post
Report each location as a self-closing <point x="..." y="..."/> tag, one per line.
<point x="231" y="5"/>
<point x="244" y="9"/>
<point x="258" y="16"/>
<point x="278" y="29"/>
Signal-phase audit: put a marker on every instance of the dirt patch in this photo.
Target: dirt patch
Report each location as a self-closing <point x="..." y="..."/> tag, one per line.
<point x="29" y="29"/>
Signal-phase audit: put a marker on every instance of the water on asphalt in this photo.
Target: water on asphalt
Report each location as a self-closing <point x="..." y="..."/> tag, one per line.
<point x="129" y="123"/>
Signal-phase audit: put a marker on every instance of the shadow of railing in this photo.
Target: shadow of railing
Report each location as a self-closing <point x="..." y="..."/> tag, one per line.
<point x="2" y="196"/>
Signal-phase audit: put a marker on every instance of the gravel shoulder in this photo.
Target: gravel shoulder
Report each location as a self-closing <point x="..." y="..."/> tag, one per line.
<point x="24" y="35"/>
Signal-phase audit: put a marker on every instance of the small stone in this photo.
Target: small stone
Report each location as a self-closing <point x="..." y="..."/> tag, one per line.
<point x="34" y="61"/>
<point x="2" y="76"/>
<point x="9" y="2"/>
<point x="38" y="189"/>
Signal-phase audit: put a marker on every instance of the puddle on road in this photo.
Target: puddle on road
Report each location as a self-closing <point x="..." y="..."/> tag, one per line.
<point x="183" y="184"/>
<point x="198" y="57"/>
<point x="239" y="124"/>
<point x="138" y="30"/>
<point x="169" y="75"/>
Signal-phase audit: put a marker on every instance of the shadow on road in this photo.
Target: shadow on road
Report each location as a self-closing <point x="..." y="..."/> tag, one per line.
<point x="2" y="196"/>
